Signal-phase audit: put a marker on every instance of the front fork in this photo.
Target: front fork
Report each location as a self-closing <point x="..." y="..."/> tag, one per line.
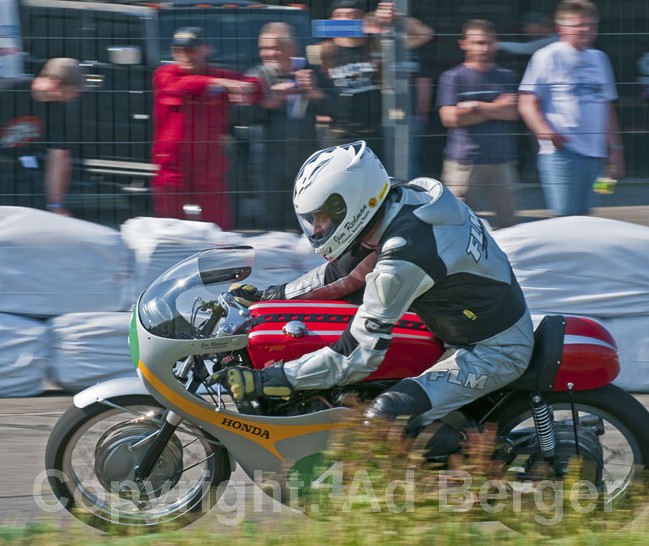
<point x="157" y="446"/>
<point x="171" y="420"/>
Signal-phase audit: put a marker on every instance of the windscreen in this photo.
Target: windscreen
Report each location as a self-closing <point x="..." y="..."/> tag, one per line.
<point x="175" y="303"/>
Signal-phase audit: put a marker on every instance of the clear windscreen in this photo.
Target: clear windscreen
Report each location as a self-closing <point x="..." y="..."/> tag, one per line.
<point x="175" y="302"/>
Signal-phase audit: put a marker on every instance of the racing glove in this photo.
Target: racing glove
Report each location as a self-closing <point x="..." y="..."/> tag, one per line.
<point x="247" y="294"/>
<point x="246" y="384"/>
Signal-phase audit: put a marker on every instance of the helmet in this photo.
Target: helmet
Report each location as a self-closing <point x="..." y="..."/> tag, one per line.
<point x="347" y="184"/>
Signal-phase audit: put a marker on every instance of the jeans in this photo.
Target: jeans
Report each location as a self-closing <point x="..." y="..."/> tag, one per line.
<point x="567" y="180"/>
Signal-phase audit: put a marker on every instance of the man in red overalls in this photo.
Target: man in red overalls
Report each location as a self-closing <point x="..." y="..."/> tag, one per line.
<point x="191" y="106"/>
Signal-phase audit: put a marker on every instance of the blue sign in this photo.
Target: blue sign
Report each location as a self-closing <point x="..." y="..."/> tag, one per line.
<point x="337" y="28"/>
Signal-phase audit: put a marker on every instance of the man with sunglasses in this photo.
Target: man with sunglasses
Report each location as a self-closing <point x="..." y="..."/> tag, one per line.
<point x="566" y="100"/>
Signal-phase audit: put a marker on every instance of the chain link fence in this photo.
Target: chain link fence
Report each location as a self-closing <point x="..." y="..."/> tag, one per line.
<point x="112" y="174"/>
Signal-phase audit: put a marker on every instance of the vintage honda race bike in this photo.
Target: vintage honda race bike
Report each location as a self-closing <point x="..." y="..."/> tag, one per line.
<point x="161" y="446"/>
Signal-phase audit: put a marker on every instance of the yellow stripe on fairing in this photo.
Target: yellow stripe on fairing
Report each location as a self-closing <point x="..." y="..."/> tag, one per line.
<point x="276" y="434"/>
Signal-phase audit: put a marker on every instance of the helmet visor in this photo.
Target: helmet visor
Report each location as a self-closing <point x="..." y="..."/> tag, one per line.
<point x="320" y="224"/>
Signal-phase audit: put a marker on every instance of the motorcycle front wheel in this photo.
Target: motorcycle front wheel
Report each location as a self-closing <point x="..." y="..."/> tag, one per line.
<point x="613" y="445"/>
<point x="92" y="454"/>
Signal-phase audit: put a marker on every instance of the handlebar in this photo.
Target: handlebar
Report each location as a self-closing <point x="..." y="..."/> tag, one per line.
<point x="228" y="317"/>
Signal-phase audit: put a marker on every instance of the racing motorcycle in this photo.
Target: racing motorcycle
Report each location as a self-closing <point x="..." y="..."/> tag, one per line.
<point x="161" y="446"/>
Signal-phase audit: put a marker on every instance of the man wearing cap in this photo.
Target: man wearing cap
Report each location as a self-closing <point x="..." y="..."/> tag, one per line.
<point x="191" y="106"/>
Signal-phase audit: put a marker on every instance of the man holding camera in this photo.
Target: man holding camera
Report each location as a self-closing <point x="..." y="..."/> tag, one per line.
<point x="281" y="131"/>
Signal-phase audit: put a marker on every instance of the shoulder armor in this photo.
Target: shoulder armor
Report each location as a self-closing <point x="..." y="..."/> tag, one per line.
<point x="442" y="207"/>
<point x="393" y="243"/>
<point x="434" y="188"/>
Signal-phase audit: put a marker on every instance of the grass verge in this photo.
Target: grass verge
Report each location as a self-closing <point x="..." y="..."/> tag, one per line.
<point x="384" y="493"/>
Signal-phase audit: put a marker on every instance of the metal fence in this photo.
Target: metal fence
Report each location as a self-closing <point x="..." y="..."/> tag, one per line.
<point x="113" y="173"/>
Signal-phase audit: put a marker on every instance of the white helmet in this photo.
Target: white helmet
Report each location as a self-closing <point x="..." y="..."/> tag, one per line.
<point x="348" y="183"/>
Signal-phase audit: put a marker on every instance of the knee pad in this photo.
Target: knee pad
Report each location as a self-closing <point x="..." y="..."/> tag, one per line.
<point x="405" y="398"/>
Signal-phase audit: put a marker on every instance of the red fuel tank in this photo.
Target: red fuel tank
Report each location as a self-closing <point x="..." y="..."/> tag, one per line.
<point x="590" y="356"/>
<point x="285" y="330"/>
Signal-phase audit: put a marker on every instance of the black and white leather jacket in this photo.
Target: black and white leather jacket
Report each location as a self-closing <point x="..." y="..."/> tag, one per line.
<point x="430" y="254"/>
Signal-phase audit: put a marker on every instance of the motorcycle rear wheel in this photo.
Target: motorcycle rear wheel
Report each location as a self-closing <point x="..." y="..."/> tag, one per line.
<point x="623" y="433"/>
<point x="92" y="452"/>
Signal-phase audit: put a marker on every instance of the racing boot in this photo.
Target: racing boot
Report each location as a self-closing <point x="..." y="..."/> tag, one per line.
<point x="445" y="435"/>
<point x="405" y="398"/>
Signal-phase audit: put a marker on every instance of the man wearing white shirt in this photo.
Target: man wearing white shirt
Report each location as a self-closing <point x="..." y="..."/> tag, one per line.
<point x="566" y="100"/>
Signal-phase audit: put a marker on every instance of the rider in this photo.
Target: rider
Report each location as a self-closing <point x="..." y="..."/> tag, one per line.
<point x="404" y="246"/>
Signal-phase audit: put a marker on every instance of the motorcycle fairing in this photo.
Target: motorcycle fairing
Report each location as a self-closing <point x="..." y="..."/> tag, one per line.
<point x="163" y="328"/>
<point x="260" y="441"/>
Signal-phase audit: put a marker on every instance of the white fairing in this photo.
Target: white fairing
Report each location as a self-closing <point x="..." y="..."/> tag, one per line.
<point x="122" y="386"/>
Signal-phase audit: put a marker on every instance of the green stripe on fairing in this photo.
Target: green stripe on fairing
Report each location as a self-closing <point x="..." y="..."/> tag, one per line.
<point x="132" y="339"/>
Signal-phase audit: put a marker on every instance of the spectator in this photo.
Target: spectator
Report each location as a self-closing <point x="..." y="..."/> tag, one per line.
<point x="191" y="106"/>
<point x="352" y="70"/>
<point x="538" y="32"/>
<point x="567" y="96"/>
<point x="477" y="103"/>
<point x="420" y="84"/>
<point x="282" y="130"/>
<point x="58" y="87"/>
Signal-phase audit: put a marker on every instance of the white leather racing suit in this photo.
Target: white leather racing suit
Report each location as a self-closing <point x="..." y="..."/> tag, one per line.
<point x="430" y="254"/>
